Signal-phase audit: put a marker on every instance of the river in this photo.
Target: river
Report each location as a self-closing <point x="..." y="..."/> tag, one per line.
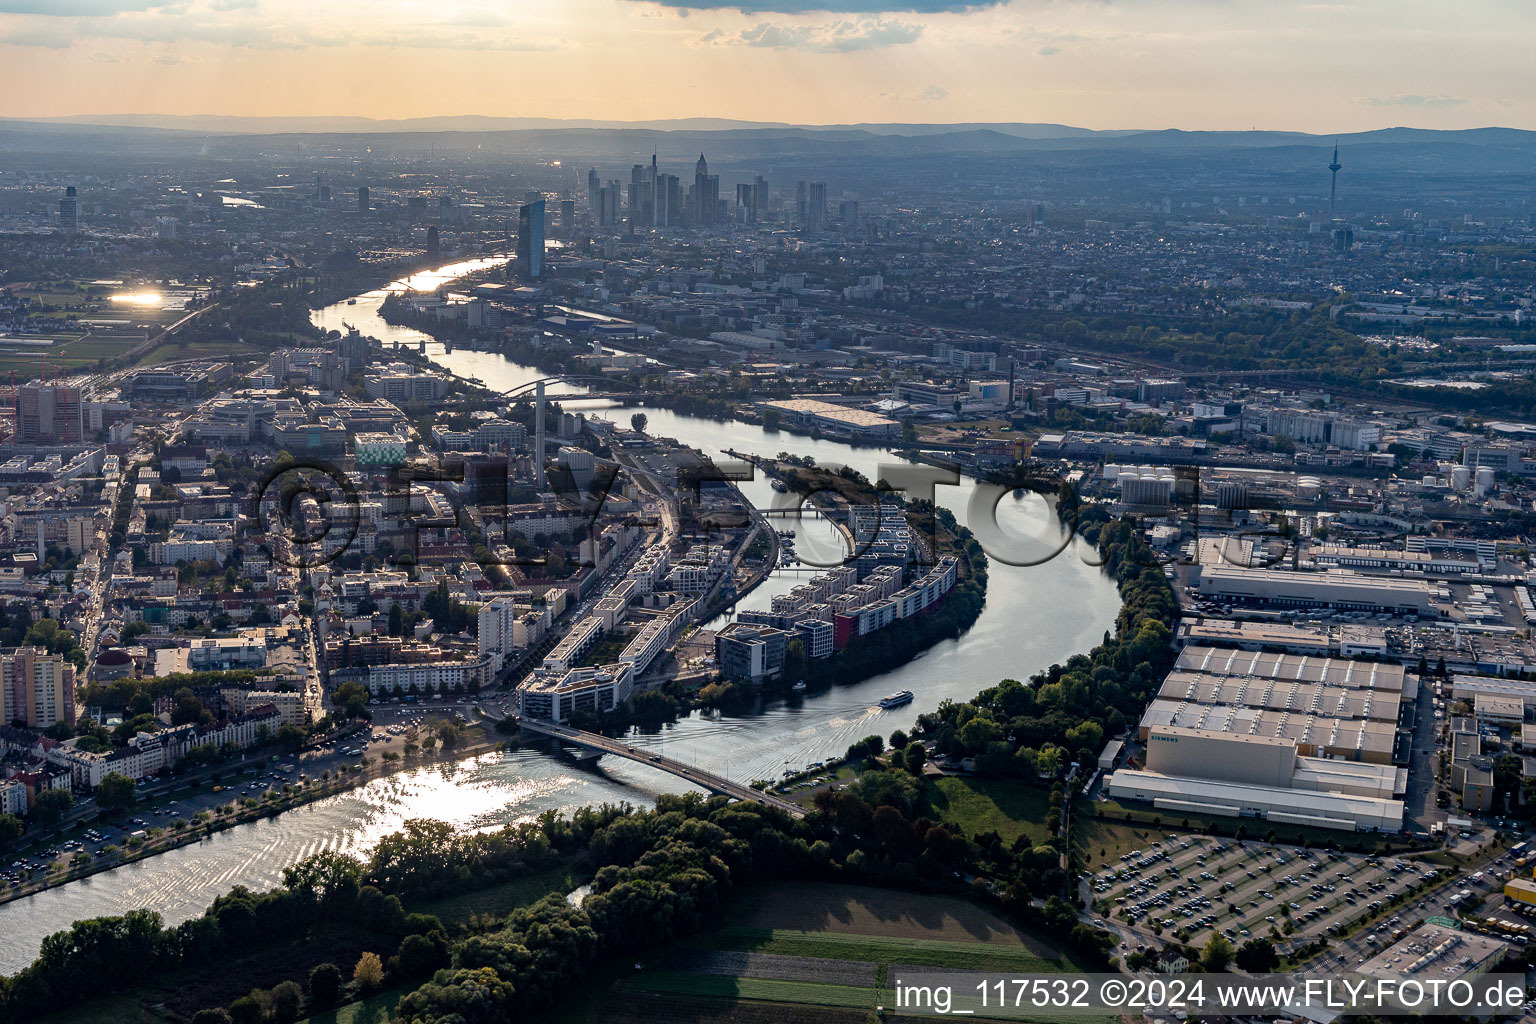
<point x="1034" y="616"/>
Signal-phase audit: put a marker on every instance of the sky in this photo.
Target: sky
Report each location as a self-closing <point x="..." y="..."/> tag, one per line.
<point x="1193" y="64"/>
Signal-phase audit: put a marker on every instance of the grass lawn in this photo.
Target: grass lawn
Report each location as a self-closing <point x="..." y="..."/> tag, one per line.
<point x="1103" y="841"/>
<point x="113" y="1010"/>
<point x="823" y="921"/>
<point x="1008" y="807"/>
<point x="990" y="956"/>
<point x="195" y="350"/>
<point x="376" y="1009"/>
<point x="500" y="899"/>
<point x="687" y="984"/>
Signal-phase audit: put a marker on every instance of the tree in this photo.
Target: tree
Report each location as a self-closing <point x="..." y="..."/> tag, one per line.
<point x="396" y="620"/>
<point x="212" y="1015"/>
<point x="369" y="972"/>
<point x="1258" y="956"/>
<point x="51" y="804"/>
<point x="287" y="997"/>
<point x="247" y="1010"/>
<point x="291" y="738"/>
<point x="351" y="699"/>
<point x="422" y="954"/>
<point x="914" y="756"/>
<point x="794" y="661"/>
<point x="325" y="985"/>
<point x="189" y="710"/>
<point x="116" y="793"/>
<point x="638" y="421"/>
<point x="1217" y="954"/>
<point x="11" y="828"/>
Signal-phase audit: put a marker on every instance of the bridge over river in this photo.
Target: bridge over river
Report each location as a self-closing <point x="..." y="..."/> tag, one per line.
<point x="618" y="748"/>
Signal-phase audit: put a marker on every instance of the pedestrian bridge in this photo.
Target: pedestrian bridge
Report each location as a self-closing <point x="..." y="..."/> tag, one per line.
<point x="689" y="773"/>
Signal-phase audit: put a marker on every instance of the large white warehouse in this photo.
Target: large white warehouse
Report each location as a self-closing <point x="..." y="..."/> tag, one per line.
<point x="1197" y="771"/>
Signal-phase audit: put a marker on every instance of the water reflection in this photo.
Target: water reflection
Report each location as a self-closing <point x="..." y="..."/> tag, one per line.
<point x="1033" y="617"/>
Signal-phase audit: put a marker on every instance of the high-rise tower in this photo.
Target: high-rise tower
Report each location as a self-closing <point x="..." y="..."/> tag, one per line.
<point x="69" y="211"/>
<point x="658" y="201"/>
<point x="1333" y="187"/>
<point x="530" y="240"/>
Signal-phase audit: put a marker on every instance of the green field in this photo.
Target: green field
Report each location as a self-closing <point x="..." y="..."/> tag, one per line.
<point x="500" y="899"/>
<point x="886" y="951"/>
<point x="686" y="984"/>
<point x="376" y="1009"/>
<point x="1009" y="808"/>
<point x="1103" y="841"/>
<point x="174" y="351"/>
<point x="114" y="1010"/>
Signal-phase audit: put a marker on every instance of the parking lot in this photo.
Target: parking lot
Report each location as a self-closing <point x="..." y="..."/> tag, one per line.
<point x="1186" y="887"/>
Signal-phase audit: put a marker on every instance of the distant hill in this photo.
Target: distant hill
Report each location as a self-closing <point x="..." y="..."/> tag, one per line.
<point x="1040" y="132"/>
<point x="738" y="144"/>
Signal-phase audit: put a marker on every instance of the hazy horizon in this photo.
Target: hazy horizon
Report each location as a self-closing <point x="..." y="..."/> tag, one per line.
<point x="476" y="122"/>
<point x="1286" y="65"/>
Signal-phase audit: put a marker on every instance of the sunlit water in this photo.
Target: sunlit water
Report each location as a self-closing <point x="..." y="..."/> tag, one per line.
<point x="1034" y="616"/>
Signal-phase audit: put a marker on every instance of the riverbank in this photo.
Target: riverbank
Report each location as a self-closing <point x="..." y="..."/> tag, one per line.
<point x="1034" y="616"/>
<point x="242" y="811"/>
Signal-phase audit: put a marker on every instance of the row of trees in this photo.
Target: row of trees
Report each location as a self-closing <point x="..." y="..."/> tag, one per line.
<point x="1033" y="729"/>
<point x="655" y="875"/>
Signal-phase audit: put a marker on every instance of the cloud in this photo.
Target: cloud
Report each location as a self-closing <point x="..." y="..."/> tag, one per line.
<point x="933" y="94"/>
<point x="832" y="6"/>
<point x="1414" y="100"/>
<point x="242" y="31"/>
<point x="77" y="8"/>
<point x="170" y="60"/>
<point x="834" y="37"/>
<point x="232" y="5"/>
<point x="1048" y="51"/>
<point x="106" y="58"/>
<point x="46" y="37"/>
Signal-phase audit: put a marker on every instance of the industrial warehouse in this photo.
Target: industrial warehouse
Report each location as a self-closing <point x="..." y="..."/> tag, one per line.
<point x="1288" y="738"/>
<point x="1328" y="707"/>
<point x="1197" y="771"/>
<point x="1336" y="588"/>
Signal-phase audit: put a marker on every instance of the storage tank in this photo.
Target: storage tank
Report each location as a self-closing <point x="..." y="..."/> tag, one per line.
<point x="1308" y="487"/>
<point x="1484" y="479"/>
<point x="1111" y="471"/>
<point x="1461" y="476"/>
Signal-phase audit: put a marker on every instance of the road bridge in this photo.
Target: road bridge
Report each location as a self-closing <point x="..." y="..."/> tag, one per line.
<point x="688" y="773"/>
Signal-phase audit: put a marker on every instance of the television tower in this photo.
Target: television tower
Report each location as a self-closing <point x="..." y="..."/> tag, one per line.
<point x="1333" y="188"/>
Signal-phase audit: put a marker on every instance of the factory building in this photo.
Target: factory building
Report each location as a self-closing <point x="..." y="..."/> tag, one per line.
<point x="1337" y="588"/>
<point x="1339" y="556"/>
<point x="808" y="413"/>
<point x="1434" y="954"/>
<point x="1325" y="707"/>
<point x="1197" y="771"/>
<point x="1497" y="696"/>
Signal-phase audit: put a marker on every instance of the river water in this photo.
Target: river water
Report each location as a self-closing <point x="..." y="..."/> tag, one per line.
<point x="1034" y="616"/>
